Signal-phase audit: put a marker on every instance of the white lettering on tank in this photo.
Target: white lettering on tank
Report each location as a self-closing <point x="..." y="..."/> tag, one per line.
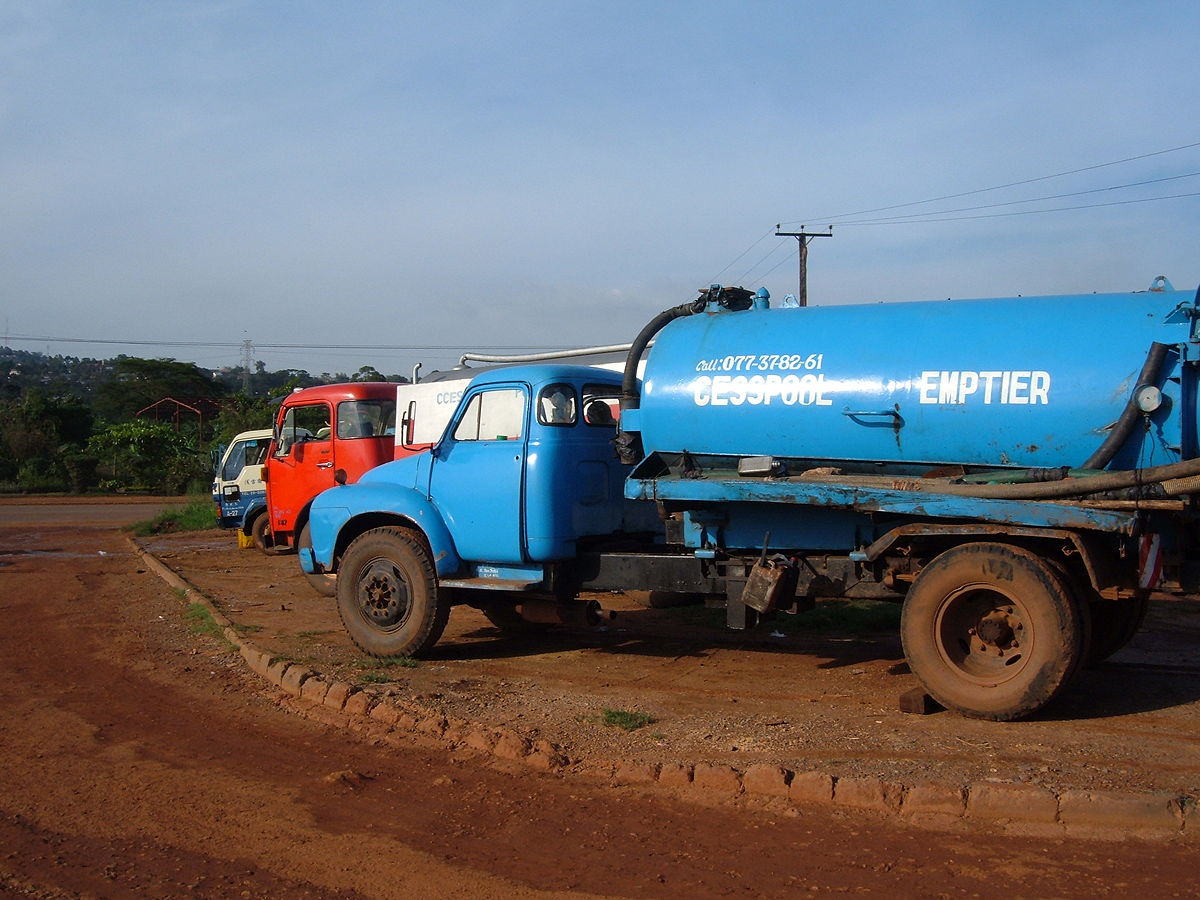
<point x="1013" y="387"/>
<point x="760" y="390"/>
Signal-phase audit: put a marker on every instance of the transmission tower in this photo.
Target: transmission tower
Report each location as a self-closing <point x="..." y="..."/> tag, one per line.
<point x="247" y="364"/>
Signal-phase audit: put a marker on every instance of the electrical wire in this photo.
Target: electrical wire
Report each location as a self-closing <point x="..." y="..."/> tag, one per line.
<point x="1114" y="187"/>
<point x="1023" y="212"/>
<point x="999" y="187"/>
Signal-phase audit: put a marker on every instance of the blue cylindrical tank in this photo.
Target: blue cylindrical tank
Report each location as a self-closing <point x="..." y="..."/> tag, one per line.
<point x="1034" y="381"/>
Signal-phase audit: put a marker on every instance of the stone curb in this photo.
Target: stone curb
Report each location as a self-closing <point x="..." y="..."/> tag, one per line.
<point x="1027" y="809"/>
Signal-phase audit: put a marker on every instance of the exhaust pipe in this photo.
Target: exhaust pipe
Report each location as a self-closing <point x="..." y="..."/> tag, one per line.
<point x="551" y="612"/>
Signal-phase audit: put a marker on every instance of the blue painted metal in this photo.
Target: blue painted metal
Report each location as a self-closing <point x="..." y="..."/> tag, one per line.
<point x="394" y="493"/>
<point x="510" y="502"/>
<point x="1011" y="382"/>
<point x="742" y="500"/>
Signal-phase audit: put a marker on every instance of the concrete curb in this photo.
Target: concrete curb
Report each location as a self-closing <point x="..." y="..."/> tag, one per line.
<point x="1020" y="808"/>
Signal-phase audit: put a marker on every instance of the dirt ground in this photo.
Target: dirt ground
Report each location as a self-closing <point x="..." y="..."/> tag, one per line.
<point x="139" y="759"/>
<point x="796" y="692"/>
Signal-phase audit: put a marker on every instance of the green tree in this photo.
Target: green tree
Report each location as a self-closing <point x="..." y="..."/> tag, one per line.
<point x="139" y="455"/>
<point x="39" y="434"/>
<point x="138" y="383"/>
<point x="239" y="414"/>
<point x="368" y="373"/>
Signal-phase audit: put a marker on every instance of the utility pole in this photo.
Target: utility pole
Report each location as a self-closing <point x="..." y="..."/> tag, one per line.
<point x="802" y="238"/>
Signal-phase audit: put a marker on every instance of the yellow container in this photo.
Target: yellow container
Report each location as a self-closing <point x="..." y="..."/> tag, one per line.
<point x="245" y="541"/>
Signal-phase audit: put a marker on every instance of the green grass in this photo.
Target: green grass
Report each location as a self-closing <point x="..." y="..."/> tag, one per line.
<point x="623" y="718"/>
<point x="849" y="616"/>
<point x="376" y="669"/>
<point x="200" y="621"/>
<point x="196" y="515"/>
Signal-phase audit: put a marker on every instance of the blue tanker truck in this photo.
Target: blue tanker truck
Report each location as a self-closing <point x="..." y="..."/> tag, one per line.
<point x="1018" y="473"/>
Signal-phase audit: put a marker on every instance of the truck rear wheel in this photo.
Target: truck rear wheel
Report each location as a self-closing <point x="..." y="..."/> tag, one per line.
<point x="387" y="594"/>
<point x="1114" y="623"/>
<point x="992" y="631"/>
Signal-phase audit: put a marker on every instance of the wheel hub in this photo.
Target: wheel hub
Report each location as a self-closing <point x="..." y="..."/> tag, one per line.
<point x="998" y="629"/>
<point x="383" y="595"/>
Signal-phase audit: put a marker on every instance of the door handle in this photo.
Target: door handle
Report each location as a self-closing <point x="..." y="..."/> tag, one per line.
<point x="325" y="465"/>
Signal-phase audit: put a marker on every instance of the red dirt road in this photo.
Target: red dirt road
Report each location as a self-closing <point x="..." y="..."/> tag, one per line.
<point x="139" y="760"/>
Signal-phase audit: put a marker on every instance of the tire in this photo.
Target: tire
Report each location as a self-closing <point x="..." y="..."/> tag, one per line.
<point x="1114" y="623"/>
<point x="325" y="585"/>
<point x="992" y="631"/>
<point x="260" y="533"/>
<point x="387" y="595"/>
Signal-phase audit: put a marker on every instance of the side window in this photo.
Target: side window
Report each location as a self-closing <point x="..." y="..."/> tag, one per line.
<point x="365" y="418"/>
<point x="492" y="416"/>
<point x="303" y="423"/>
<point x="256" y="451"/>
<point x="601" y="405"/>
<point x="556" y="405"/>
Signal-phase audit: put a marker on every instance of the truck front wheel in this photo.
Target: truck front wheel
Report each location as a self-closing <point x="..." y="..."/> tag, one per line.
<point x="387" y="594"/>
<point x="991" y="631"/>
<point x="260" y="533"/>
<point x="325" y="585"/>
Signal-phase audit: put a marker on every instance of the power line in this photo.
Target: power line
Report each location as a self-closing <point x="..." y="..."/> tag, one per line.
<point x="1023" y="212"/>
<point x="1114" y="187"/>
<point x="999" y="187"/>
<point x="265" y="346"/>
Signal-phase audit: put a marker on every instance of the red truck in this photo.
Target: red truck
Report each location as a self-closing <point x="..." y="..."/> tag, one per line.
<point x="320" y="431"/>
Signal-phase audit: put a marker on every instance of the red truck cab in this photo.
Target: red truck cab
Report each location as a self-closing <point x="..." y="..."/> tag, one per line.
<point x="318" y="432"/>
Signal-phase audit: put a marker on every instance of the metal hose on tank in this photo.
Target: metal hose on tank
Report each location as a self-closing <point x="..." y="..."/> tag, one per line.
<point x="1176" y="478"/>
<point x="1129" y="416"/>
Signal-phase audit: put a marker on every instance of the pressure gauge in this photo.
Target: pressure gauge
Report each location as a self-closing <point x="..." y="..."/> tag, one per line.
<point x="1148" y="398"/>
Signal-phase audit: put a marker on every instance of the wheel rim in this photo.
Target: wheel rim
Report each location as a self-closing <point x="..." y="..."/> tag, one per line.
<point x="383" y="595"/>
<point x="983" y="635"/>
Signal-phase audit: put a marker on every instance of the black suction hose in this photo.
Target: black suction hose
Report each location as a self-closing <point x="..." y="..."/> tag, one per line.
<point x="627" y="443"/>
<point x="1130" y="415"/>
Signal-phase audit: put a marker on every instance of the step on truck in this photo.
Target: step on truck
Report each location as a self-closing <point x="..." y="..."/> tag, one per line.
<point x="1019" y="473"/>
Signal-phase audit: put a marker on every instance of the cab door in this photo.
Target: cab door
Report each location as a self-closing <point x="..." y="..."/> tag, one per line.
<point x="477" y="479"/>
<point x="302" y="464"/>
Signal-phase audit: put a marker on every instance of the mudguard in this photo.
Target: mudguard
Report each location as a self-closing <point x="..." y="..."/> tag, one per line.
<point x="334" y="513"/>
<point x="250" y="515"/>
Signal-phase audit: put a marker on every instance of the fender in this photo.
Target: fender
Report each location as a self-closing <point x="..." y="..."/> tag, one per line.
<point x="250" y="515"/>
<point x="335" y="512"/>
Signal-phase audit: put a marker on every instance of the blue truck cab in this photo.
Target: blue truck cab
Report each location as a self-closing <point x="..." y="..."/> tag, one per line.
<point x="524" y="477"/>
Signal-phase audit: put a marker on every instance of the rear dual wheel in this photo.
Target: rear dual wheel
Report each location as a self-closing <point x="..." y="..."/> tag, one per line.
<point x="992" y="631"/>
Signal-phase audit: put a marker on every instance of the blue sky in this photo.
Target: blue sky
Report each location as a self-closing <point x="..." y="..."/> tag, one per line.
<point x="554" y="174"/>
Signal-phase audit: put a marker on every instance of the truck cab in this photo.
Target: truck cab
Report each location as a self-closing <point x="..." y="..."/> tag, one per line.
<point x="321" y="434"/>
<point x="238" y="490"/>
<point x="523" y="479"/>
